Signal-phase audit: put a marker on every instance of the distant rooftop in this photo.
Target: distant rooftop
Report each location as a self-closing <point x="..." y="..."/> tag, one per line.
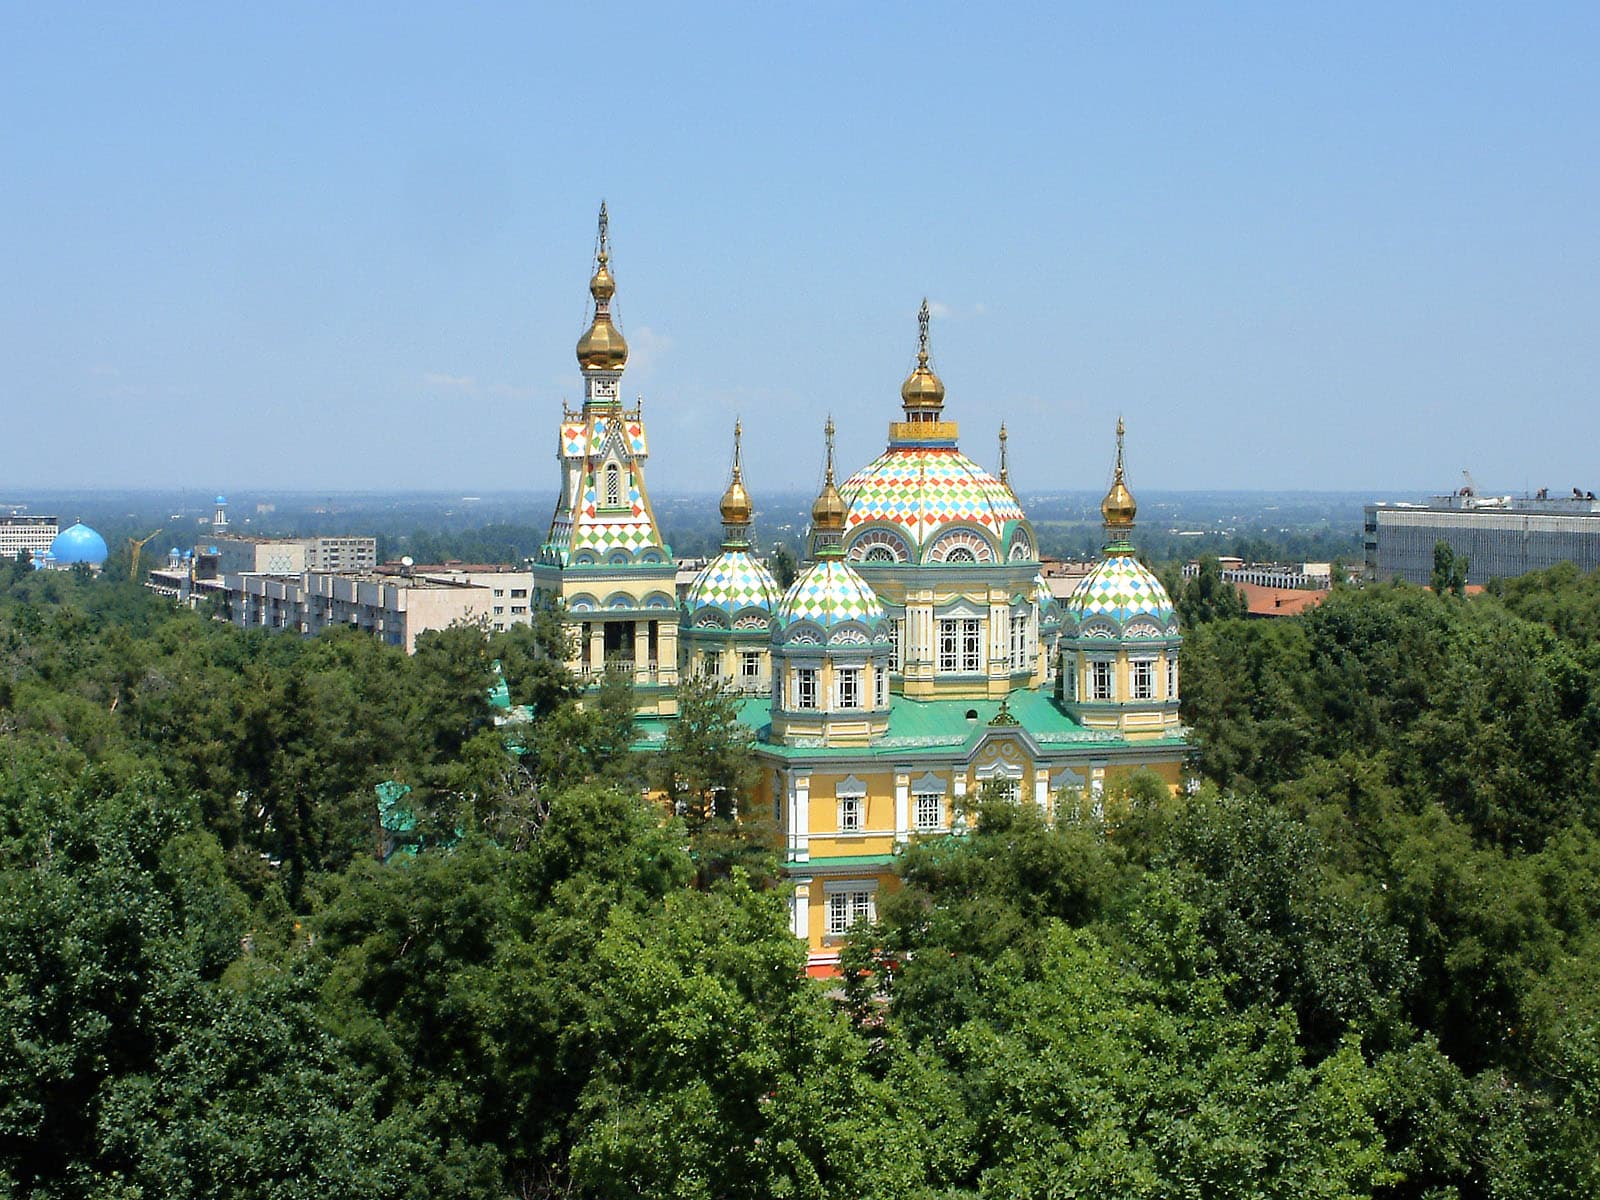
<point x="1545" y="500"/>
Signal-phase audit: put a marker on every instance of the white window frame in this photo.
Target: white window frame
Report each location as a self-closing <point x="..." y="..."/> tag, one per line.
<point x="960" y="645"/>
<point x="846" y="907"/>
<point x="852" y="813"/>
<point x="1102" y="681"/>
<point x="882" y="674"/>
<point x="611" y="481"/>
<point x="1019" y="641"/>
<point x="805" y="687"/>
<point x="750" y="666"/>
<point x="1172" y="677"/>
<point x="1142" y="678"/>
<point x="971" y="646"/>
<point x="847" y="686"/>
<point x="921" y="805"/>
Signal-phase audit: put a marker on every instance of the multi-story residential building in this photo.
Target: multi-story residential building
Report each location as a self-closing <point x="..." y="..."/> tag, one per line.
<point x="394" y="608"/>
<point x="237" y="555"/>
<point x="511" y="588"/>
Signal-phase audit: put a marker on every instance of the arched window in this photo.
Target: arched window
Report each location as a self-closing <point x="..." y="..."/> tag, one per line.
<point x="613" y="485"/>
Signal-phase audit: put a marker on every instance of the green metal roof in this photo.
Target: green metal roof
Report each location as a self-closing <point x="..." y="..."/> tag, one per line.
<point x="920" y="726"/>
<point x="833" y="862"/>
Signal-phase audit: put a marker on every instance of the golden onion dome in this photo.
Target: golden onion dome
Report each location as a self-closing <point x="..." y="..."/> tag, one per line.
<point x="602" y="287"/>
<point x="736" y="507"/>
<point x="827" y="513"/>
<point x="922" y="389"/>
<point x="602" y="347"/>
<point x="1118" y="508"/>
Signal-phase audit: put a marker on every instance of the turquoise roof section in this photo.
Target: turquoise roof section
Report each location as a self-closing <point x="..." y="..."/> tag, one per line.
<point x="942" y="726"/>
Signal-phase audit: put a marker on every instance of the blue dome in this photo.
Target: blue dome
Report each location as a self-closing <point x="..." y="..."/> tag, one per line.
<point x="79" y="544"/>
<point x="222" y="499"/>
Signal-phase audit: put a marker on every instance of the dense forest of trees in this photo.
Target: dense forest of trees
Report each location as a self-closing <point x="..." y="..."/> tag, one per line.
<point x="1361" y="957"/>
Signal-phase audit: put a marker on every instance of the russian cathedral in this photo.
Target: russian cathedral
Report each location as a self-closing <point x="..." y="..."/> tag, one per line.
<point x="917" y="658"/>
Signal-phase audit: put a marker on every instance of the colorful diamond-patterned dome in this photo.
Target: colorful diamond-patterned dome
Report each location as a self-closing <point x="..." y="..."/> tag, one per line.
<point x="1121" y="589"/>
<point x="733" y="582"/>
<point x="923" y="489"/>
<point x="830" y="592"/>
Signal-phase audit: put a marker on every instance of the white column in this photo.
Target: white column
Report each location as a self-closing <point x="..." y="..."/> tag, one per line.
<point x="641" y="652"/>
<point x="902" y="806"/>
<point x="800" y="817"/>
<point x="999" y="636"/>
<point x="800" y="910"/>
<point x="1041" y="790"/>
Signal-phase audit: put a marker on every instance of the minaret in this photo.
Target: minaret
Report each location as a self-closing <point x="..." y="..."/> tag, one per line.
<point x="735" y="506"/>
<point x="828" y="512"/>
<point x="602" y="352"/>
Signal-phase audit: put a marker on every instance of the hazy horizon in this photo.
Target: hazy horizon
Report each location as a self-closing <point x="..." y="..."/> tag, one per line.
<point x="1316" y="248"/>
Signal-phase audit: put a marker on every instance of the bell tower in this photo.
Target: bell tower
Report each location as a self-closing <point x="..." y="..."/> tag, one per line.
<point x="605" y="560"/>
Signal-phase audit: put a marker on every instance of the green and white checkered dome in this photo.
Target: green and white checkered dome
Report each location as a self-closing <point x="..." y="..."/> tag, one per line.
<point x="829" y="592"/>
<point x="1121" y="589"/>
<point x="732" y="582"/>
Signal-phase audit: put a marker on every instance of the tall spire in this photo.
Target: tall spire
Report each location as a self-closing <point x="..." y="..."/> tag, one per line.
<point x="922" y="393"/>
<point x="828" y="513"/>
<point x="736" y="506"/>
<point x="601" y="349"/>
<point x="1119" y="507"/>
<point x="1005" y="474"/>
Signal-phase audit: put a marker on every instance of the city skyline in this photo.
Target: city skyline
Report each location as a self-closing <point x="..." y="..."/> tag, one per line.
<point x="302" y="250"/>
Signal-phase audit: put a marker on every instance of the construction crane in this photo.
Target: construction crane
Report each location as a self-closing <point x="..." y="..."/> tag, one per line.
<point x="135" y="548"/>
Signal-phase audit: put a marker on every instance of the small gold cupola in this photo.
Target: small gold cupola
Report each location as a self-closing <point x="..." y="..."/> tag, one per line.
<point x="602" y="347"/>
<point x="922" y="393"/>
<point x="828" y="512"/>
<point x="1119" y="507"/>
<point x="736" y="507"/>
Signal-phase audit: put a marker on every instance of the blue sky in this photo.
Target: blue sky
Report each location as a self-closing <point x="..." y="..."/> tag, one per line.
<point x="346" y="246"/>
